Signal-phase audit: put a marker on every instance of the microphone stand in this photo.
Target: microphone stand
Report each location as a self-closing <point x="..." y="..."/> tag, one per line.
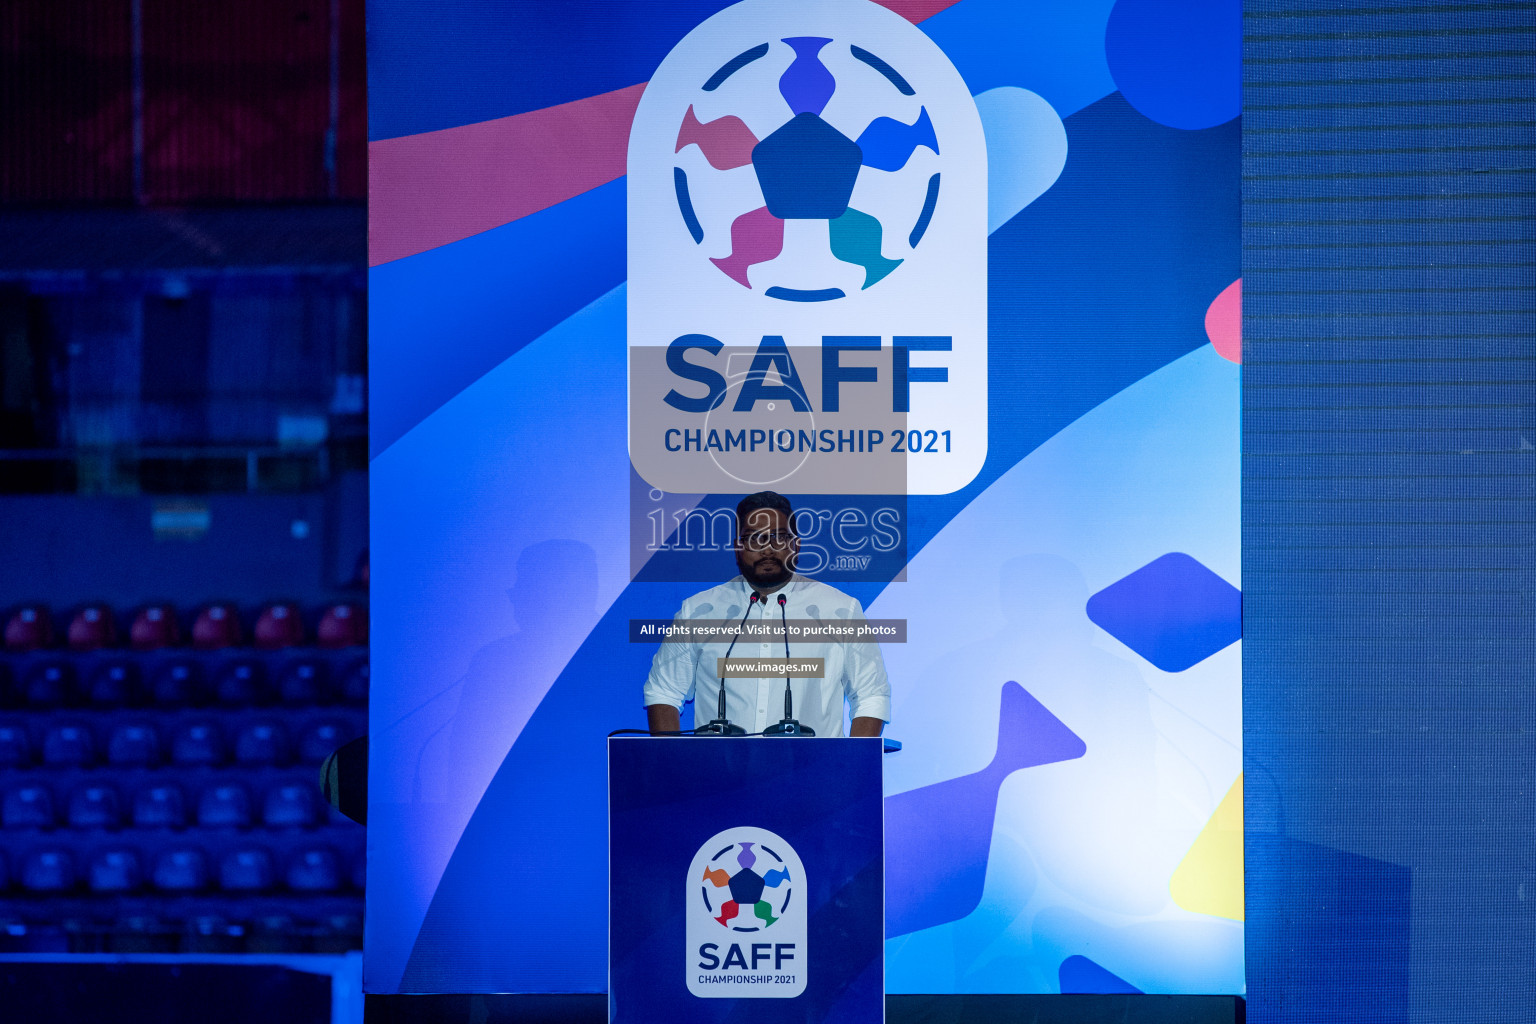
<point x="787" y="727"/>
<point x="722" y="726"/>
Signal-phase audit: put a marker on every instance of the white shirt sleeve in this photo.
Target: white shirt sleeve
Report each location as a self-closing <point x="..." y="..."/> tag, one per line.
<point x="868" y="687"/>
<point x="671" y="677"/>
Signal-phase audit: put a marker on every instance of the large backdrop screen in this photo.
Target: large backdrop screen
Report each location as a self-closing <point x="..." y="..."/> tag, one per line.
<point x="961" y="280"/>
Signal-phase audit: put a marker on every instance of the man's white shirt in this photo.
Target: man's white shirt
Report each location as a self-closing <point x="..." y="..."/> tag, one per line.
<point x="855" y="672"/>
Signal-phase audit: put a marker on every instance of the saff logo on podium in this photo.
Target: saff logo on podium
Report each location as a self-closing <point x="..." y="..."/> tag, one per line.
<point x="807" y="288"/>
<point x="746" y="931"/>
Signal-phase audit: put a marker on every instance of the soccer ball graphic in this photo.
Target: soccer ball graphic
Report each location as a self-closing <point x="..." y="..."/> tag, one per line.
<point x="808" y="170"/>
<point x="748" y="900"/>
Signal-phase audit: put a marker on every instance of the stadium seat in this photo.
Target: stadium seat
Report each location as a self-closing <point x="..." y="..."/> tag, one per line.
<point x="154" y="627"/>
<point x="279" y="626"/>
<point x="48" y="871"/>
<point x="184" y="869"/>
<point x="246" y="870"/>
<point x="30" y="628"/>
<point x="242" y="682"/>
<point x="292" y="805"/>
<point x="115" y="871"/>
<point x="211" y="933"/>
<point x="93" y="807"/>
<point x="91" y="629"/>
<point x="160" y="806"/>
<point x="226" y="806"/>
<point x="179" y="683"/>
<point x="28" y="806"/>
<point x="262" y="743"/>
<point x="360" y="872"/>
<point x="15" y="748"/>
<point x="342" y="625"/>
<point x="133" y="745"/>
<point x="69" y="745"/>
<point x="274" y="933"/>
<point x="49" y="684"/>
<point x="115" y="684"/>
<point x="198" y="743"/>
<point x="5" y="872"/>
<point x="354" y="685"/>
<point x="320" y="741"/>
<point x="314" y="870"/>
<point x="216" y="627"/>
<point x="303" y="682"/>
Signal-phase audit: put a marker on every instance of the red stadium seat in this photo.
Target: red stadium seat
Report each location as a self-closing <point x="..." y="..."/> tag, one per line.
<point x="92" y="628"/>
<point x="343" y="625"/>
<point x="217" y="626"/>
<point x="279" y="626"/>
<point x="315" y="870"/>
<point x="246" y="870"/>
<point x="69" y="745"/>
<point x="153" y="628"/>
<point x="290" y="806"/>
<point x="94" y="807"/>
<point x="181" y="870"/>
<point x="160" y="807"/>
<point x="29" y="629"/>
<point x="27" y="807"/>
<point x="115" y="871"/>
<point x="224" y="807"/>
<point x="48" y="871"/>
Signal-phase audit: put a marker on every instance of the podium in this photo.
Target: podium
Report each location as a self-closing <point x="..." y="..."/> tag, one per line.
<point x="746" y="880"/>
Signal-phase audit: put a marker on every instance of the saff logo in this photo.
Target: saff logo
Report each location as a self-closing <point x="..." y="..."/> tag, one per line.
<point x="807" y="233"/>
<point x="746" y="927"/>
<point x="807" y="169"/>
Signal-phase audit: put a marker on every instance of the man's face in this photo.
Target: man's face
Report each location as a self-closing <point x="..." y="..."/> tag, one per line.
<point x="766" y="548"/>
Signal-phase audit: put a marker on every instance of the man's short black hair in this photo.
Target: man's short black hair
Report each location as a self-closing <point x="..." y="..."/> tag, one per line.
<point x="763" y="499"/>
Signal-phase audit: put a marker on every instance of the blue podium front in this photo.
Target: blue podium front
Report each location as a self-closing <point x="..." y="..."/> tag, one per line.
<point x="746" y="880"/>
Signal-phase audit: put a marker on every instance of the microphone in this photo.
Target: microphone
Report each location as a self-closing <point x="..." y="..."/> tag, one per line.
<point x="788" y="727"/>
<point x="722" y="726"/>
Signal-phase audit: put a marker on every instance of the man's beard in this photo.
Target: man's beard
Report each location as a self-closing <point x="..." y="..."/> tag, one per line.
<point x="759" y="578"/>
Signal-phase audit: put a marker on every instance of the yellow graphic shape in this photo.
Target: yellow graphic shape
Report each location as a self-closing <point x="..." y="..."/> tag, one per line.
<point x="1209" y="880"/>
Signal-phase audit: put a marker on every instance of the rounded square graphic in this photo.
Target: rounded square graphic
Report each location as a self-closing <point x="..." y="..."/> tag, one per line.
<point x="746" y="917"/>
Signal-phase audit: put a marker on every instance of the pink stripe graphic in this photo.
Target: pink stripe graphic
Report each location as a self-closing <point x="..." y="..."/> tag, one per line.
<point x="756" y="237"/>
<point x="431" y="189"/>
<point x="726" y="142"/>
<point x="437" y="187"/>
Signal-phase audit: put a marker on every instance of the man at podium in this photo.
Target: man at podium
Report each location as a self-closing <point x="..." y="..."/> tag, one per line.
<point x="760" y="603"/>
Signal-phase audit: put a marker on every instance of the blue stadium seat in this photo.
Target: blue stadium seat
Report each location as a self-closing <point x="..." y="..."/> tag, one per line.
<point x="198" y="743"/>
<point x="69" y="745"/>
<point x="94" y="807"/>
<point x="184" y="869"/>
<point x="226" y="806"/>
<point x="15" y="748"/>
<point x="246" y="870"/>
<point x="290" y="806"/>
<point x="29" y="806"/>
<point x="262" y="743"/>
<point x="360" y="872"/>
<point x="48" y="871"/>
<point x="314" y="870"/>
<point x="304" y="682"/>
<point x="241" y="683"/>
<point x="320" y="741"/>
<point x="115" y="871"/>
<point x="49" y="684"/>
<point x="115" y="684"/>
<point x="160" y="806"/>
<point x="179" y="683"/>
<point x="133" y="745"/>
<point x="354" y="683"/>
